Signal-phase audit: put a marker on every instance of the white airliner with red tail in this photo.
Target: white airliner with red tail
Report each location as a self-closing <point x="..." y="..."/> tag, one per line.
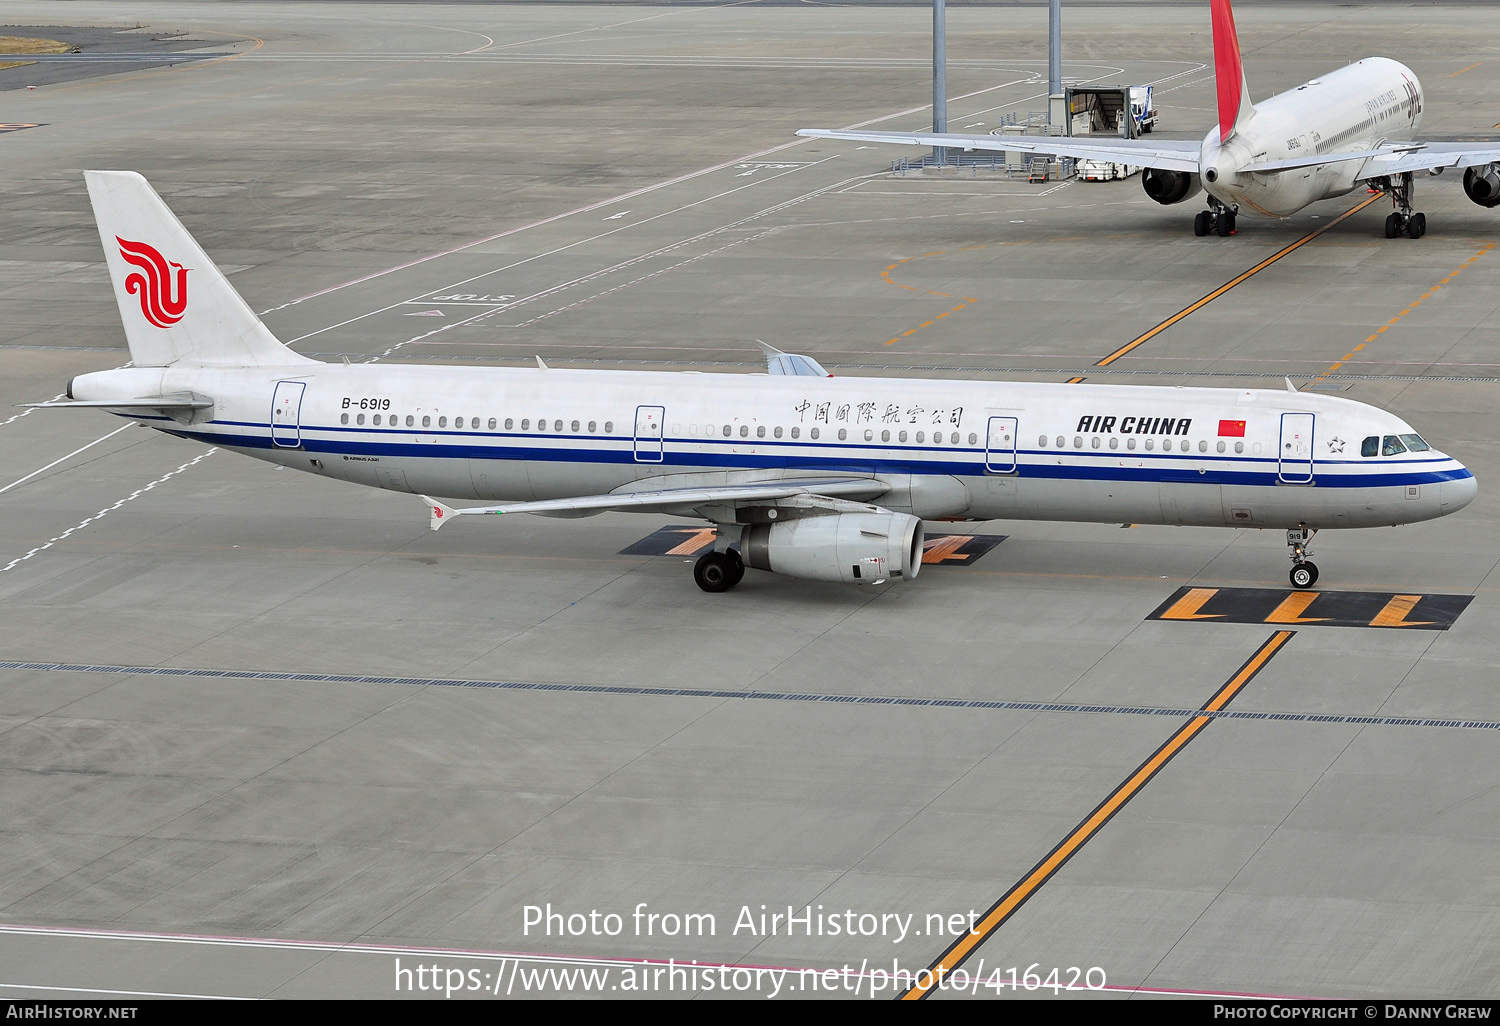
<point x="1351" y="128"/>
<point x="803" y="473"/>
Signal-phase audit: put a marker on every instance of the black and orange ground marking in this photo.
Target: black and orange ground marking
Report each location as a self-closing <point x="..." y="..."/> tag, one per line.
<point x="1313" y="608"/>
<point x="16" y="127"/>
<point x="1394" y="320"/>
<point x="1471" y="67"/>
<point x="689" y="540"/>
<point x="1216" y="293"/>
<point x="1002" y="910"/>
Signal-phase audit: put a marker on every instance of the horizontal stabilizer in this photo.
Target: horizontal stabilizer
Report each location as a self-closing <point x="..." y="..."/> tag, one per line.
<point x="175" y="401"/>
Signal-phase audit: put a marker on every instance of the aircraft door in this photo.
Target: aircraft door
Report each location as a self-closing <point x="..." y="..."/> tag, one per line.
<point x="1000" y="446"/>
<point x="648" y="433"/>
<point x="1296" y="452"/>
<point x="286" y="414"/>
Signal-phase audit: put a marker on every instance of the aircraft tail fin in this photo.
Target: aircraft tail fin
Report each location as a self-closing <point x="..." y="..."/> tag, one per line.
<point x="1235" y="107"/>
<point x="178" y="308"/>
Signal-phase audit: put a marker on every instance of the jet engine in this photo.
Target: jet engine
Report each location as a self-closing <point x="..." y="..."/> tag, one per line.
<point x="1482" y="183"/>
<point x="855" y="548"/>
<point x="1168" y="187"/>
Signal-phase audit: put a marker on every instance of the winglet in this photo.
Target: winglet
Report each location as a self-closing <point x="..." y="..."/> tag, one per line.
<point x="440" y="514"/>
<point x="1289" y="387"/>
<point x="1229" y="72"/>
<point x="793" y="364"/>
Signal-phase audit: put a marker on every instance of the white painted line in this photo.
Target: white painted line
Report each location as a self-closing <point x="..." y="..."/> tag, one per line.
<point x="106" y="511"/>
<point x="123" y="993"/>
<point x="75" y="452"/>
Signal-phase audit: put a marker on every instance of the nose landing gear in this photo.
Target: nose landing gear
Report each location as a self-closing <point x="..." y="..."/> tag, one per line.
<point x="1304" y="572"/>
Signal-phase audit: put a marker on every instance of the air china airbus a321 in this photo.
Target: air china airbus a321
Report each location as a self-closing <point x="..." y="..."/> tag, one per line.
<point x="803" y="474"/>
<point x="1353" y="127"/>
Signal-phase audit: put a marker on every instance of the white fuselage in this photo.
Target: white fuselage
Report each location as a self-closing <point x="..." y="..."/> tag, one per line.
<point x="943" y="449"/>
<point x="1356" y="108"/>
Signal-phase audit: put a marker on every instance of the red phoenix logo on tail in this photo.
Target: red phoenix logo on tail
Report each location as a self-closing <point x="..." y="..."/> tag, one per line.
<point x="163" y="302"/>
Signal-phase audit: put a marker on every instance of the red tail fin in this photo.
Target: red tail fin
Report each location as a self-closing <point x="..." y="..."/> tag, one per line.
<point x="1229" y="72"/>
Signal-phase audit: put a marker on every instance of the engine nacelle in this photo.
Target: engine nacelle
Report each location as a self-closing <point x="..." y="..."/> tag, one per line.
<point x="1482" y="183"/>
<point x="1168" y="187"/>
<point x="855" y="548"/>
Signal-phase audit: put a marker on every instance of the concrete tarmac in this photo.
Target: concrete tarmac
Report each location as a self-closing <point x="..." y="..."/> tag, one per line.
<point x="266" y="735"/>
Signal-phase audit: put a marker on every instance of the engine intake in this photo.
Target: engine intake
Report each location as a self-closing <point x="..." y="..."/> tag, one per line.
<point x="1168" y="187"/>
<point x="1482" y="184"/>
<point x="854" y="548"/>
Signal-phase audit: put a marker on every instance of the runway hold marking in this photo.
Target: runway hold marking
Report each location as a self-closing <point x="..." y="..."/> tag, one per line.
<point x="689" y="540"/>
<point x="1396" y="319"/>
<point x="1216" y="293"/>
<point x="1320" y="608"/>
<point x="1002" y="910"/>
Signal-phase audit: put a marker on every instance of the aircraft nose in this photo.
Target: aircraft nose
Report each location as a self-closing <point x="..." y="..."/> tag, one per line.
<point x="1455" y="495"/>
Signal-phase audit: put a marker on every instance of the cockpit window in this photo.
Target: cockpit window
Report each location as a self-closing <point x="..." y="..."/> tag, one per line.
<point x="1392" y="446"/>
<point x="1370" y="446"/>
<point x="1414" y="443"/>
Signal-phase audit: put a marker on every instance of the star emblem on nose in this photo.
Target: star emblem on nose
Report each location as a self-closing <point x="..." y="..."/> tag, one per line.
<point x="1335" y="444"/>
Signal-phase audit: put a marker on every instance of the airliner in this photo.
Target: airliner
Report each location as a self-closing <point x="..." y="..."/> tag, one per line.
<point x="1353" y="127"/>
<point x="801" y="472"/>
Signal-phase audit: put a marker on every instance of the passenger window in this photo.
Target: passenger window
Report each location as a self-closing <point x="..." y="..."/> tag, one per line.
<point x="1239" y="446"/>
<point x="1392" y="446"/>
<point x="973" y="438"/>
<point x="744" y="430"/>
<point x="1095" y="442"/>
<point x="609" y="427"/>
<point x="1059" y="441"/>
<point x="1042" y="441"/>
<point x="902" y="437"/>
<point x="1221" y="446"/>
<point x="492" y="423"/>
<point x="815" y="433"/>
<point x="796" y="432"/>
<point x="525" y="424"/>
<point x="843" y="434"/>
<point x="1414" y="443"/>
<point x="777" y="432"/>
<point x="360" y="419"/>
<point x="427" y="421"/>
<point x="594" y="427"/>
<point x="1130" y="443"/>
<point x="1078" y="441"/>
<point x="344" y="419"/>
<point x="1203" y="446"/>
<point x="410" y="420"/>
<point x="727" y="430"/>
<point x="1114" y="443"/>
<point x="557" y="426"/>
<point x="869" y="435"/>
<point x="510" y="422"/>
<point x="442" y="422"/>
<point x="575" y="427"/>
<point x="1150" y="444"/>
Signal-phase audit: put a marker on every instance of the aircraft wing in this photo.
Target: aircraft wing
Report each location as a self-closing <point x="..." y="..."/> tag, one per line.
<point x="1432" y="156"/>
<point x="648" y="499"/>
<point x="1167" y="154"/>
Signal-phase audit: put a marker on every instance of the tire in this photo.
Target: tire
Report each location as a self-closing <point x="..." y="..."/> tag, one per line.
<point x="1225" y="225"/>
<point x="736" y="567"/>
<point x="1200" y="224"/>
<point x="1304" y="575"/>
<point x="1416" y="226"/>
<point x="714" y="572"/>
<point x="1393" y="226"/>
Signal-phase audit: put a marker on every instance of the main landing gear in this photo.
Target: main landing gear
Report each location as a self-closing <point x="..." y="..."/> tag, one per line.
<point x="719" y="571"/>
<point x="1404" y="221"/>
<point x="1216" y="220"/>
<point x="1304" y="572"/>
